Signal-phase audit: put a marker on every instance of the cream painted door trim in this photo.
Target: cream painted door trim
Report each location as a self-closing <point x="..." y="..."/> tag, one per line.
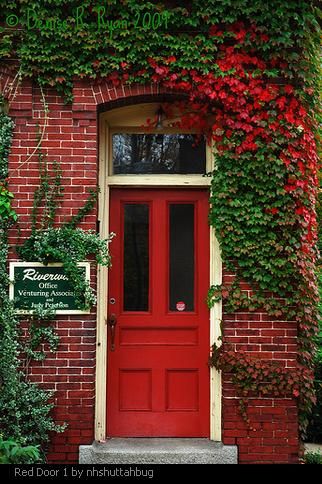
<point x="102" y="292"/>
<point x="130" y="117"/>
<point x="215" y="333"/>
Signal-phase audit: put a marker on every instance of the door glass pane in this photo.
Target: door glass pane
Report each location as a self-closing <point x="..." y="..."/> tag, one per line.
<point x="181" y="259"/>
<point x="158" y="153"/>
<point x="136" y="257"/>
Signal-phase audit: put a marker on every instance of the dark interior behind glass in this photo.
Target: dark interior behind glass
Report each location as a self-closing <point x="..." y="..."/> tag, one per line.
<point x="158" y="154"/>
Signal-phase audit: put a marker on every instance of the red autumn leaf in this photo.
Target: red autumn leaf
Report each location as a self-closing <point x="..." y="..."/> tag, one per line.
<point x="299" y="210"/>
<point x="161" y="70"/>
<point x="241" y="35"/>
<point x="288" y="89"/>
<point x="152" y="62"/>
<point x="300" y="183"/>
<point x="289" y="188"/>
<point x="265" y="95"/>
<point x="224" y="65"/>
<point x="285" y="160"/>
<point x="301" y="167"/>
<point x="281" y="101"/>
<point x="273" y="210"/>
<point x="302" y="112"/>
<point x="264" y="38"/>
<point x="214" y="32"/>
<point x="289" y="116"/>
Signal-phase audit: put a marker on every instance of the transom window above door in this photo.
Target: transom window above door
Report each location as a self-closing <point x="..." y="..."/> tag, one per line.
<point x="157" y="153"/>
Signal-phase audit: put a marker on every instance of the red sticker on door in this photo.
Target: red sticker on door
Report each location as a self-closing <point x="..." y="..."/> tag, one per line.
<point x="181" y="306"/>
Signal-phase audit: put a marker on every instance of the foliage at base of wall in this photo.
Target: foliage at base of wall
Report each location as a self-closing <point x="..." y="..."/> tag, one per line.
<point x="314" y="432"/>
<point x="262" y="378"/>
<point x="24" y="407"/>
<point x="13" y="453"/>
<point x="313" y="458"/>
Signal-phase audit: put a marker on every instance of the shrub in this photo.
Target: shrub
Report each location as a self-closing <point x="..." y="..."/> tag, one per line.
<point x="314" y="433"/>
<point x="12" y="452"/>
<point x="313" y="458"/>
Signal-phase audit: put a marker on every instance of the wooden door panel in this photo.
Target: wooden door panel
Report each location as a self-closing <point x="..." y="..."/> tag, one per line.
<point x="158" y="375"/>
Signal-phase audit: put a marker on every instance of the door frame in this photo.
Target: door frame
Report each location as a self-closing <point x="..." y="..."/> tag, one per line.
<point x="130" y="118"/>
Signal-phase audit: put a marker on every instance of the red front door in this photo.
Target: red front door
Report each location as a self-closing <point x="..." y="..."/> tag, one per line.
<point x="158" y="375"/>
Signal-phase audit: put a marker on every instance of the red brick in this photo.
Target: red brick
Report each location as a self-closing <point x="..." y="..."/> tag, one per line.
<point x="229" y="441"/>
<point x="236" y="433"/>
<point x="53" y="457"/>
<point x="263" y="449"/>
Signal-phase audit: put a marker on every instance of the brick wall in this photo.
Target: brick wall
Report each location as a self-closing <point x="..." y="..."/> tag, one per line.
<point x="273" y="437"/>
<point x="71" y="138"/>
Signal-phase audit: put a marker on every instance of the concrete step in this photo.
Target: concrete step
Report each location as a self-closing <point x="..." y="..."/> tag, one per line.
<point x="157" y="451"/>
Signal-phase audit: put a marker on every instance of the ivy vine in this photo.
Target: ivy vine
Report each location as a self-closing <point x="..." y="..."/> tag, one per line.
<point x="25" y="408"/>
<point x="66" y="243"/>
<point x="34" y="34"/>
<point x="251" y="73"/>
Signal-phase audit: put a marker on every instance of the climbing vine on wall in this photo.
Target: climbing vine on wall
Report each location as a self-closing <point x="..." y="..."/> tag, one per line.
<point x="25" y="408"/>
<point x="250" y="73"/>
<point x="67" y="243"/>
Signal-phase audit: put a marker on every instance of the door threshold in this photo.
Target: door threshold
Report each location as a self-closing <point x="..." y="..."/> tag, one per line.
<point x="158" y="451"/>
